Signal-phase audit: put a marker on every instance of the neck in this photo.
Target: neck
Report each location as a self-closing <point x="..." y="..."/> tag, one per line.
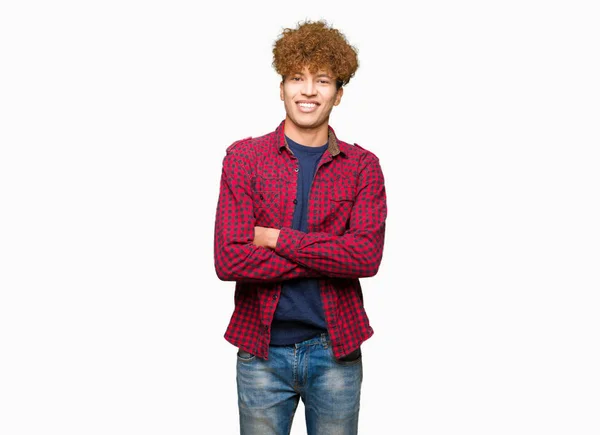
<point x="310" y="137"/>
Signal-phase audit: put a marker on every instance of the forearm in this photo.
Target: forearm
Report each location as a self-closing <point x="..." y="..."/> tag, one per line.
<point x="247" y="262"/>
<point x="352" y="255"/>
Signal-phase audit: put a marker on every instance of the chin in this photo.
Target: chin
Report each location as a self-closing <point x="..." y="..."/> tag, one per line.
<point x="307" y="123"/>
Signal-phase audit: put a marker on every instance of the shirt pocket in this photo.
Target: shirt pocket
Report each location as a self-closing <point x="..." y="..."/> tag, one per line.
<point x="340" y="204"/>
<point x="266" y="202"/>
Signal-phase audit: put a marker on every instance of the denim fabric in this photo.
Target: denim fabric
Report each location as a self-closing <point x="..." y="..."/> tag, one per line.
<point x="269" y="390"/>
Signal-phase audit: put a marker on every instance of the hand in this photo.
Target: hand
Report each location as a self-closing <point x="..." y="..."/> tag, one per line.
<point x="265" y="237"/>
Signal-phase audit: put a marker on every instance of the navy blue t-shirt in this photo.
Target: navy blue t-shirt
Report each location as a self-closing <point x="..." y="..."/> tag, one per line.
<point x="299" y="314"/>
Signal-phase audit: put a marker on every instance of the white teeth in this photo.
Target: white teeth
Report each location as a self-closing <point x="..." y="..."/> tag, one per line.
<point x="307" y="105"/>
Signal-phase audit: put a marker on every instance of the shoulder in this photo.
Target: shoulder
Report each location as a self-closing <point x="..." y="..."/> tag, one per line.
<point x="363" y="162"/>
<point x="357" y="152"/>
<point x="235" y="144"/>
<point x="244" y="154"/>
<point x="251" y="145"/>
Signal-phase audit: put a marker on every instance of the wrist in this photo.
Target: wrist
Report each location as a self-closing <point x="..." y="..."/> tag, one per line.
<point x="273" y="237"/>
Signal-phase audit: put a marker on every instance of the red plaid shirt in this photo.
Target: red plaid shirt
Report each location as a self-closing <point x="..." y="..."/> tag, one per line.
<point x="346" y="220"/>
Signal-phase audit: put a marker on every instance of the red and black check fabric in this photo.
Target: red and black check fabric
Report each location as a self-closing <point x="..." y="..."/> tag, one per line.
<point x="346" y="220"/>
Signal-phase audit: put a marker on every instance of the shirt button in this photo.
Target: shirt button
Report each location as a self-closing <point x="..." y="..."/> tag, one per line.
<point x="274" y="297"/>
<point x="295" y="201"/>
<point x="296" y="169"/>
<point x="261" y="197"/>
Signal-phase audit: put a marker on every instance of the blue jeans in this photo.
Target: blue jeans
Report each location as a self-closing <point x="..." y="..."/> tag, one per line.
<point x="269" y="390"/>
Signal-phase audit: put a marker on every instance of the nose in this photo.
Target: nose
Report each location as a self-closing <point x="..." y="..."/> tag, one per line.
<point x="309" y="88"/>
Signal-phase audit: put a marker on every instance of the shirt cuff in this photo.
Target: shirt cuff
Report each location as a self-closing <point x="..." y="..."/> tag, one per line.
<point x="287" y="243"/>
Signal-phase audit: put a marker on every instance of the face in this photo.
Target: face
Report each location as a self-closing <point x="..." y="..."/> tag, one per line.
<point x="309" y="98"/>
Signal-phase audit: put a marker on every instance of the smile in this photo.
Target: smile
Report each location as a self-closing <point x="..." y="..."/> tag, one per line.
<point x="307" y="107"/>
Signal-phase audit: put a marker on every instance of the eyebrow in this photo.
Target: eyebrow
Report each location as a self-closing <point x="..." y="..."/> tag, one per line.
<point x="318" y="75"/>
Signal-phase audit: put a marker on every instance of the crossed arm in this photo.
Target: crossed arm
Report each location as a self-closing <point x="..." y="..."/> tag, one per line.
<point x="246" y="252"/>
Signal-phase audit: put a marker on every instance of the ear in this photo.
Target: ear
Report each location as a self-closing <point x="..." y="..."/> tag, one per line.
<point x="338" y="96"/>
<point x="281" y="90"/>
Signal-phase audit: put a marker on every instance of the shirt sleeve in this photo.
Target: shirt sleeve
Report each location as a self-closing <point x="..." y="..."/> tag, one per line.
<point x="236" y="257"/>
<point x="358" y="252"/>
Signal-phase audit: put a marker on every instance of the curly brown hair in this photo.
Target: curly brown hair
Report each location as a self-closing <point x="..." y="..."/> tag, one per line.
<point x="317" y="46"/>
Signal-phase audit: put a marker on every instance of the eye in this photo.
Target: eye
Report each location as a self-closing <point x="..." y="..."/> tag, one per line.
<point x="296" y="79"/>
<point x="324" y="81"/>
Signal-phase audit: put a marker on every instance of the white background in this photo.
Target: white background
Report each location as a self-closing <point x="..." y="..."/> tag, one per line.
<point x="114" y="119"/>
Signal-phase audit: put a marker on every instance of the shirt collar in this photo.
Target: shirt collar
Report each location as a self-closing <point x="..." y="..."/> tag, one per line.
<point x="335" y="147"/>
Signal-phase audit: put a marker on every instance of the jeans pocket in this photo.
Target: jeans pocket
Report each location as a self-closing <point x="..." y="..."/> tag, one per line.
<point x="244" y="356"/>
<point x="352" y="358"/>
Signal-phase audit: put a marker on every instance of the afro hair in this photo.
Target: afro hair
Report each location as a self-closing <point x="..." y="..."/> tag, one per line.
<point x="317" y="46"/>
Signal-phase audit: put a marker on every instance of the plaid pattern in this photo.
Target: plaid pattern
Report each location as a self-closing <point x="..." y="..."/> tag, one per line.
<point x="346" y="219"/>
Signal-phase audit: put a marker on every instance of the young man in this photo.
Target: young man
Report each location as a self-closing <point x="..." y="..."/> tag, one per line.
<point x="301" y="216"/>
